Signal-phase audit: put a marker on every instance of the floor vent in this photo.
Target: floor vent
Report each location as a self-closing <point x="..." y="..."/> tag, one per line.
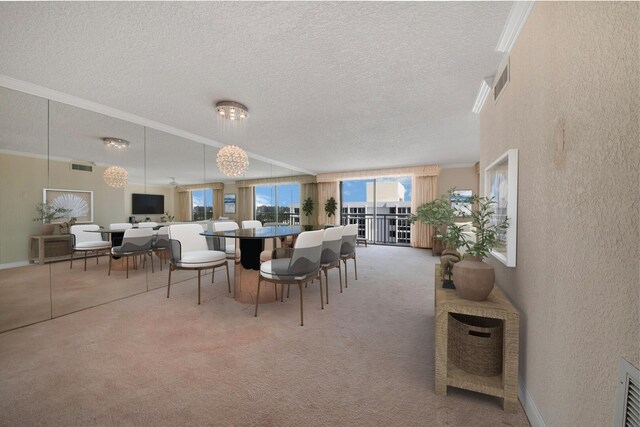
<point x="501" y="82"/>
<point x="627" y="396"/>
<point x="81" y="167"/>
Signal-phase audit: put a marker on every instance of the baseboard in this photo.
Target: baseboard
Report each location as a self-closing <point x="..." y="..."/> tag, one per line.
<point x="14" y="265"/>
<point x="529" y="406"/>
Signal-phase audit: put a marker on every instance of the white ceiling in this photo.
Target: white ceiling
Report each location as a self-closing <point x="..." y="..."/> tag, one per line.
<point x="330" y="86"/>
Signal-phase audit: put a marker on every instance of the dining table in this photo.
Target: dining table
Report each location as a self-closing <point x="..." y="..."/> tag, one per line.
<point x="247" y="268"/>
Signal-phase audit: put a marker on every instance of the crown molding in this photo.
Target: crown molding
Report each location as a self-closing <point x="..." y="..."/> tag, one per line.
<point x="515" y="21"/>
<point x="483" y="92"/>
<point x="64" y="98"/>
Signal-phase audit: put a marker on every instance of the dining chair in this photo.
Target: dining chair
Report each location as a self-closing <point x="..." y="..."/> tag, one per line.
<point x="228" y="243"/>
<point x="120" y="226"/>
<point x="331" y="244"/>
<point x="348" y="249"/>
<point x="160" y="245"/>
<point x="190" y="251"/>
<point x="84" y="240"/>
<point x="251" y="224"/>
<point x="302" y="267"/>
<point x="149" y="224"/>
<point x="136" y="241"/>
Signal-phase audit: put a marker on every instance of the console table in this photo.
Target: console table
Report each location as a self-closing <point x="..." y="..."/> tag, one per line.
<point x="54" y="247"/>
<point x="497" y="306"/>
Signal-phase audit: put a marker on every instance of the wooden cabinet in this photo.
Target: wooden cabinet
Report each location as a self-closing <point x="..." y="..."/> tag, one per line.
<point x="497" y="306"/>
<point x="55" y="247"/>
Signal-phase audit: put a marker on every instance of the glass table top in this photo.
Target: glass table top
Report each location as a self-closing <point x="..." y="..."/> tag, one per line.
<point x="257" y="233"/>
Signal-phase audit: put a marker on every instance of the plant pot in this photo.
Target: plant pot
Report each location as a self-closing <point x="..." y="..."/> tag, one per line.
<point x="47" y="229"/>
<point x="474" y="278"/>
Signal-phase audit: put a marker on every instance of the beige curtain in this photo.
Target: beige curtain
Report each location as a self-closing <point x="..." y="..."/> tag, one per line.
<point x="426" y="170"/>
<point x="309" y="191"/>
<point x="327" y="190"/>
<point x="184" y="206"/>
<point x="424" y="190"/>
<point x="218" y="203"/>
<point x="244" y="204"/>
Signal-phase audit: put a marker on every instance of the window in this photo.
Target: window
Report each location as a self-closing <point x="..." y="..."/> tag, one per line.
<point x="202" y="204"/>
<point x="277" y="203"/>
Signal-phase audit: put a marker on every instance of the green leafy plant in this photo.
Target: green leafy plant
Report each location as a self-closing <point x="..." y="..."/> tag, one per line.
<point x="330" y="207"/>
<point x="47" y="212"/>
<point x="307" y="206"/>
<point x="441" y="216"/>
<point x="487" y="230"/>
<point x="170" y="218"/>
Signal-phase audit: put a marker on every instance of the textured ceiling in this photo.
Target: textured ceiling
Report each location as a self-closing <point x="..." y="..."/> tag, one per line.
<point x="330" y="86"/>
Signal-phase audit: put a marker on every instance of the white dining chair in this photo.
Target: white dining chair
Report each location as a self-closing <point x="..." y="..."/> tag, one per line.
<point x="331" y="244"/>
<point x="85" y="240"/>
<point x="348" y="249"/>
<point x="252" y="223"/>
<point x="120" y="226"/>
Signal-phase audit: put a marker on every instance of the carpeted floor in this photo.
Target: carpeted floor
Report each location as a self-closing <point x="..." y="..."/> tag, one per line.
<point x="365" y="360"/>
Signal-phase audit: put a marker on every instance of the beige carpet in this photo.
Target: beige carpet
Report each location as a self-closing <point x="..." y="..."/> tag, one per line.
<point x="365" y="360"/>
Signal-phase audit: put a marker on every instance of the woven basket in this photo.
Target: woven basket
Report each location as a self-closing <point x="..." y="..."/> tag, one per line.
<point x="475" y="344"/>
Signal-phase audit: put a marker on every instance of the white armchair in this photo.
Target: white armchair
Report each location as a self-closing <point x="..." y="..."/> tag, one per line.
<point x="85" y="240"/>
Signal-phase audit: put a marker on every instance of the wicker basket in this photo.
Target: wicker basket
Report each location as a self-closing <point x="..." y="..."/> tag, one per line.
<point x="475" y="344"/>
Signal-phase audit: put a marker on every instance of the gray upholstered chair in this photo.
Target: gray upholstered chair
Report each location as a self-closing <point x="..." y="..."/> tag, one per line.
<point x="161" y="244"/>
<point x="84" y="240"/>
<point x="302" y="267"/>
<point x="331" y="244"/>
<point x="348" y="249"/>
<point x="190" y="251"/>
<point x="136" y="241"/>
<point x="251" y="224"/>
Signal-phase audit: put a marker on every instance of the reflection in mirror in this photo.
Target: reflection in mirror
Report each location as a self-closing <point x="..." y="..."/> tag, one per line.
<point x="24" y="273"/>
<point x="175" y="171"/>
<point x="78" y="159"/>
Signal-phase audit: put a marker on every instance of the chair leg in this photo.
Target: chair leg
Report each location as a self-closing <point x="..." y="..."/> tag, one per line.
<point x="198" y="286"/>
<point x="321" y="296"/>
<point x="257" y="296"/>
<point x="127" y="257"/>
<point x="355" y="266"/>
<point x="226" y="264"/>
<point x="159" y="254"/>
<point x="346" y="280"/>
<point x="213" y="273"/>
<point x="326" y="282"/>
<point x="169" y="282"/>
<point x="301" y="305"/>
<point x="288" y="289"/>
<point x="85" y="260"/>
<point x="97" y="257"/>
<point x="340" y="275"/>
<point x="71" y="264"/>
<point x="275" y="289"/>
<point x="109" y="274"/>
<point x="151" y="256"/>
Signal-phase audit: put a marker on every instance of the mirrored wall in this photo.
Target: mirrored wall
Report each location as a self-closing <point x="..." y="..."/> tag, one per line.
<point x="53" y="151"/>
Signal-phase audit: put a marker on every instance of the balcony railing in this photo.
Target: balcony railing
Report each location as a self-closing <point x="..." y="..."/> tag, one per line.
<point x="283" y="218"/>
<point x="388" y="229"/>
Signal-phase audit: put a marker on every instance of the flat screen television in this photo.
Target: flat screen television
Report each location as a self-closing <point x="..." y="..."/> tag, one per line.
<point x="145" y="204"/>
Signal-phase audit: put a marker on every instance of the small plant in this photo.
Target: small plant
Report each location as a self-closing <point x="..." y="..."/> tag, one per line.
<point x="487" y="230"/>
<point x="441" y="216"/>
<point x="307" y="206"/>
<point x="170" y="218"/>
<point x="47" y="212"/>
<point x="330" y="207"/>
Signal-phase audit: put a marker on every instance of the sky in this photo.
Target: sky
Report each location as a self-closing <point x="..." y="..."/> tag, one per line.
<point x="288" y="195"/>
<point x="356" y="190"/>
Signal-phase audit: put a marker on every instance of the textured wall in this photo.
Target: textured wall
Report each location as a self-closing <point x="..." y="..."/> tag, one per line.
<point x="461" y="178"/>
<point x="571" y="109"/>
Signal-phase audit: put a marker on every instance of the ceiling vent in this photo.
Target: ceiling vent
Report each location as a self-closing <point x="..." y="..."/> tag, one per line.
<point x="627" y="396"/>
<point x="81" y="166"/>
<point x="502" y="81"/>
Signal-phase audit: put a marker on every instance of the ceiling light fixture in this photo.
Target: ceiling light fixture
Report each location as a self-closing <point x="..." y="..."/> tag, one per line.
<point x="116" y="143"/>
<point x="116" y="177"/>
<point x="232" y="110"/>
<point x="232" y="160"/>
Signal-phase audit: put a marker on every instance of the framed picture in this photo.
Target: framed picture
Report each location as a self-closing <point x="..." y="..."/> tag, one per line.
<point x="501" y="183"/>
<point x="230" y="203"/>
<point x="78" y="201"/>
<point x="461" y="202"/>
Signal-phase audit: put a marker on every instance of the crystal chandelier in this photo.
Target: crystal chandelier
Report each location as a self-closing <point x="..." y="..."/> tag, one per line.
<point x="232" y="110"/>
<point x="116" y="177"/>
<point x="117" y="143"/>
<point x="232" y="160"/>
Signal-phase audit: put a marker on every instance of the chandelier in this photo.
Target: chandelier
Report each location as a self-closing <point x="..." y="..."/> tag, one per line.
<point x="116" y="177"/>
<point x="232" y="160"/>
<point x="116" y="143"/>
<point x="232" y="110"/>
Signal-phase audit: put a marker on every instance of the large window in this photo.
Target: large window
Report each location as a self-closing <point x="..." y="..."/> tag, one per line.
<point x="380" y="207"/>
<point x="278" y="203"/>
<point x="202" y="204"/>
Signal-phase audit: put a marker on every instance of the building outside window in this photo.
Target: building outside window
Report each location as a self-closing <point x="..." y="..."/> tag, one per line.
<point x="202" y="204"/>
<point x="277" y="203"/>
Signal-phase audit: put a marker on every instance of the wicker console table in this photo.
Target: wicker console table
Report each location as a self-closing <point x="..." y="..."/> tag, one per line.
<point x="49" y="248"/>
<point x="497" y="306"/>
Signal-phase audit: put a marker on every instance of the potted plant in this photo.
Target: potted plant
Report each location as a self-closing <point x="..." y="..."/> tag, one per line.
<point x="307" y="208"/>
<point x="47" y="213"/>
<point x="330" y="207"/>
<point x="439" y="214"/>
<point x="475" y="278"/>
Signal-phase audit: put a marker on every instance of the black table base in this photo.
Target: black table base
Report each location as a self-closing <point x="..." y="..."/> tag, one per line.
<point x="250" y="250"/>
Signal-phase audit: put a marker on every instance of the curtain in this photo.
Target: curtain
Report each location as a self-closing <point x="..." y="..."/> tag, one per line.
<point x="244" y="204"/>
<point x="184" y="206"/>
<point x="327" y="190"/>
<point x="309" y="191"/>
<point x="426" y="170"/>
<point x="218" y="203"/>
<point x="424" y="190"/>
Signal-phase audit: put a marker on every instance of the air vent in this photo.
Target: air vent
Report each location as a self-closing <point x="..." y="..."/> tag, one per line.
<point x="501" y="82"/>
<point x="84" y="167"/>
<point x="627" y="396"/>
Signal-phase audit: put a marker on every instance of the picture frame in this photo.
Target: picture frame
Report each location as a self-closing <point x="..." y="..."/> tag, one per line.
<point x="230" y="203"/>
<point x="501" y="183"/>
<point x="461" y="201"/>
<point x="79" y="201"/>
